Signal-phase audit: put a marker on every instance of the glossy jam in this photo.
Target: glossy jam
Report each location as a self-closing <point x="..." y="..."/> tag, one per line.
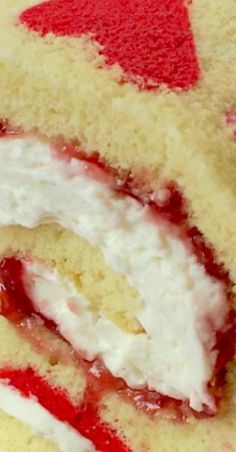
<point x="151" y="40"/>
<point x="7" y="130"/>
<point x="173" y="209"/>
<point x="17" y="308"/>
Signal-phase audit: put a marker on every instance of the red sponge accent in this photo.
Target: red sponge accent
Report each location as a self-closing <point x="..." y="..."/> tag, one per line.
<point x="149" y="39"/>
<point x="85" y="418"/>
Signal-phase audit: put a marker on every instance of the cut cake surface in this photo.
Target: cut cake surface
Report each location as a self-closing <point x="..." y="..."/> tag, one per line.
<point x="144" y="91"/>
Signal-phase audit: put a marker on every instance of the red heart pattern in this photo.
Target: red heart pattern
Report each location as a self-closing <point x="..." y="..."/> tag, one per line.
<point x="151" y="40"/>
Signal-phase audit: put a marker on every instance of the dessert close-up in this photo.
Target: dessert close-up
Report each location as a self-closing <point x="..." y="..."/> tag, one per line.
<point x="117" y="225"/>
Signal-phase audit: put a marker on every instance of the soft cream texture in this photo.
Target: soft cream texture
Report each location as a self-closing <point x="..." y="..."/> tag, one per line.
<point x="83" y="263"/>
<point x="60" y="87"/>
<point x="178" y="298"/>
<point x="29" y="411"/>
<point x="138" y="359"/>
<point x="138" y="430"/>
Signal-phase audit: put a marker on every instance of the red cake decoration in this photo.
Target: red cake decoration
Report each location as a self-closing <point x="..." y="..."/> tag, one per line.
<point x="151" y="40"/>
<point x="85" y="418"/>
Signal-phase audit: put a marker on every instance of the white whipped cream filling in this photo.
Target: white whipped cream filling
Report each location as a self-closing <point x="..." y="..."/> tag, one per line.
<point x="30" y="412"/>
<point x="182" y="305"/>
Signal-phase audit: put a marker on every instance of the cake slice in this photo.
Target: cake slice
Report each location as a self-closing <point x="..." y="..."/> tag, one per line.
<point x="117" y="216"/>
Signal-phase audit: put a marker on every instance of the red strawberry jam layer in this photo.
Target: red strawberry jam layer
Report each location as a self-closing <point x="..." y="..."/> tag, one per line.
<point x="168" y="204"/>
<point x="172" y="207"/>
<point x="19" y="310"/>
<point x="151" y="40"/>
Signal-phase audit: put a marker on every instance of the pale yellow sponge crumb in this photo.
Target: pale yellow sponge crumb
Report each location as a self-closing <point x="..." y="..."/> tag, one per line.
<point x="77" y="259"/>
<point x="57" y="85"/>
<point x="47" y="356"/>
<point x="140" y="432"/>
<point x="163" y="435"/>
<point x="56" y="246"/>
<point x="16" y="437"/>
<point x="18" y="353"/>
